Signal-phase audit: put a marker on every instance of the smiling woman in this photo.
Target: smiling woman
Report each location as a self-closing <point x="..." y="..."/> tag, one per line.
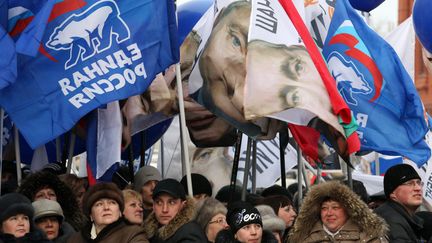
<point x="103" y="204"/>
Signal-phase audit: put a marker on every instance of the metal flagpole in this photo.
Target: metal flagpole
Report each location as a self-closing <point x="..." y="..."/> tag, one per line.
<point x="17" y="155"/>
<point x="183" y="129"/>
<point x="299" y="176"/>
<point x="71" y="152"/>
<point x="283" y="142"/>
<point x="162" y="156"/>
<point x="58" y="149"/>
<point x="142" y="158"/>
<point x="246" y="169"/>
<point x="235" y="166"/>
<point x="1" y="143"/>
<point x="254" y="165"/>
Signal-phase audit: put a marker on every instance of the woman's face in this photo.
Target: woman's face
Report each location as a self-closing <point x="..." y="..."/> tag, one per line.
<point x="288" y="215"/>
<point x="216" y="224"/>
<point x="17" y="225"/>
<point x="45" y="193"/>
<point x="333" y="215"/>
<point x="133" y="211"/>
<point x="104" y="212"/>
<point x="251" y="233"/>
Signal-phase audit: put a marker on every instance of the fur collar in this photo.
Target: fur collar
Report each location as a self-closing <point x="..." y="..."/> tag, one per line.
<point x="358" y="212"/>
<point x="151" y="225"/>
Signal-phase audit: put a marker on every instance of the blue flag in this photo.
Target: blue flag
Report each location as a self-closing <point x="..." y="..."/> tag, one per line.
<point x="8" y="59"/>
<point x="91" y="53"/>
<point x="377" y="88"/>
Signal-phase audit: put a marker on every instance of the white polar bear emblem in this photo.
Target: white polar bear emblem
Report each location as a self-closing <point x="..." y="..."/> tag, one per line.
<point x="89" y="32"/>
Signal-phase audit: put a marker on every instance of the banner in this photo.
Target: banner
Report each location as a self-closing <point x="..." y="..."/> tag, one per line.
<point x="376" y="86"/>
<point x="91" y="53"/>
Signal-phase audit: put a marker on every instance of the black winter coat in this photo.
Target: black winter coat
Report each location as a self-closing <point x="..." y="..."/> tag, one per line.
<point x="35" y="236"/>
<point x="403" y="227"/>
<point x="226" y="236"/>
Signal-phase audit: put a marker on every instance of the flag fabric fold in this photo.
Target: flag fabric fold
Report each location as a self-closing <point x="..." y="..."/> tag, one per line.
<point x="91" y="53"/>
<point x="376" y="86"/>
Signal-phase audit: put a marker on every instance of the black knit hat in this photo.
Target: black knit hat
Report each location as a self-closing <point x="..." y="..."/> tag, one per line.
<point x="397" y="175"/>
<point x="200" y="184"/>
<point x="171" y="187"/>
<point x="276" y="190"/>
<point x="14" y="203"/>
<point x="240" y="214"/>
<point x="102" y="190"/>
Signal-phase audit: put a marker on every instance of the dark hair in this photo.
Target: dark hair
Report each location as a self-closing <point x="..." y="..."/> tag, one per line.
<point x="276" y="202"/>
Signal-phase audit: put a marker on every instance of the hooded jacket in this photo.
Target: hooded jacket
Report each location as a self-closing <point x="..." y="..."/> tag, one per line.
<point x="180" y="228"/>
<point x="65" y="196"/>
<point x="226" y="236"/>
<point x="362" y="225"/>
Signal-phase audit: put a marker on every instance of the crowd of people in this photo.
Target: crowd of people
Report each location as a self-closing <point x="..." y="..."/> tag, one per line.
<point x="48" y="207"/>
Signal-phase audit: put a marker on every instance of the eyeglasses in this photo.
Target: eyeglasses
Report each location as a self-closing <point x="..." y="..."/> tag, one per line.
<point x="219" y="221"/>
<point x="413" y="183"/>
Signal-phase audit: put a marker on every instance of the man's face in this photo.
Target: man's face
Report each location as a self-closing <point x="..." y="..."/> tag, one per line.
<point x="166" y="208"/>
<point x="147" y="192"/>
<point x="409" y="194"/>
<point x="222" y="62"/>
<point x="49" y="225"/>
<point x="333" y="215"/>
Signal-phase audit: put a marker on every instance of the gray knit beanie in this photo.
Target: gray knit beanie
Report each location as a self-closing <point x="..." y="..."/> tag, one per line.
<point x="271" y="221"/>
<point x="206" y="209"/>
<point x="145" y="174"/>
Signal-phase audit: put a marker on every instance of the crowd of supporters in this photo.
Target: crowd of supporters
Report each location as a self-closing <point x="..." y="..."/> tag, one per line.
<point x="50" y="206"/>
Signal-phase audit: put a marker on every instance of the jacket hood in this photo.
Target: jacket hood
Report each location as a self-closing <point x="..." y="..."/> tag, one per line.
<point x="186" y="214"/>
<point x="356" y="209"/>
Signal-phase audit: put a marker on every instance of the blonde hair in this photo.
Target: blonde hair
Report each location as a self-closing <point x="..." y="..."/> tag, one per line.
<point x="129" y="194"/>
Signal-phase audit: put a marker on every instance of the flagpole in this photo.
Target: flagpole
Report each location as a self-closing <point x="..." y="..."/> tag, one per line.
<point x="254" y="165"/>
<point x="162" y="157"/>
<point x="183" y="130"/>
<point x="58" y="149"/>
<point x="71" y="152"/>
<point x="142" y="158"/>
<point x="305" y="178"/>
<point x="246" y="169"/>
<point x="299" y="176"/>
<point x="1" y="143"/>
<point x="235" y="164"/>
<point x="283" y="137"/>
<point x="17" y="155"/>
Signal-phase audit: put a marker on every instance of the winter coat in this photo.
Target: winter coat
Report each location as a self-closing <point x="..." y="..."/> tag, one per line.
<point x="180" y="229"/>
<point x="117" y="232"/>
<point x="226" y="236"/>
<point x="66" y="231"/>
<point x="403" y="227"/>
<point x="35" y="236"/>
<point x="363" y="225"/>
<point x="65" y="196"/>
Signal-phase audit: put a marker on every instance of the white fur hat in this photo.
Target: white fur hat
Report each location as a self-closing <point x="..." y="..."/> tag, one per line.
<point x="271" y="221"/>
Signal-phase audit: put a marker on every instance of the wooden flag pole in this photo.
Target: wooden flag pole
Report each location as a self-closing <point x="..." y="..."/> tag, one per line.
<point x="17" y="155"/>
<point x="299" y="176"/>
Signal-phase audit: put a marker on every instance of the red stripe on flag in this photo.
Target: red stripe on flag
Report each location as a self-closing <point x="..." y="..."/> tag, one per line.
<point x="339" y="106"/>
<point x="45" y="53"/>
<point x="65" y="7"/>
<point x="20" y="26"/>
<point x="90" y="177"/>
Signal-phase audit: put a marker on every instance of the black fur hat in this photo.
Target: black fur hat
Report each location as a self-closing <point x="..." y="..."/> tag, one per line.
<point x="14" y="203"/>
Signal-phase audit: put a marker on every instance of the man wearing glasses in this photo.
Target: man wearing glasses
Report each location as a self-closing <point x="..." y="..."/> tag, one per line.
<point x="403" y="190"/>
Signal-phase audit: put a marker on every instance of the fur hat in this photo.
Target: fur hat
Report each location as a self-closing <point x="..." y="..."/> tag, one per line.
<point x="99" y="191"/>
<point x="271" y="221"/>
<point x="397" y="175"/>
<point x="206" y="209"/>
<point x="242" y="213"/>
<point x="46" y="208"/>
<point x="200" y="184"/>
<point x="145" y="174"/>
<point x="14" y="203"/>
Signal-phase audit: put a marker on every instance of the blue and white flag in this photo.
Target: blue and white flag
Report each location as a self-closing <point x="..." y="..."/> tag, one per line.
<point x="91" y="53"/>
<point x="376" y="86"/>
